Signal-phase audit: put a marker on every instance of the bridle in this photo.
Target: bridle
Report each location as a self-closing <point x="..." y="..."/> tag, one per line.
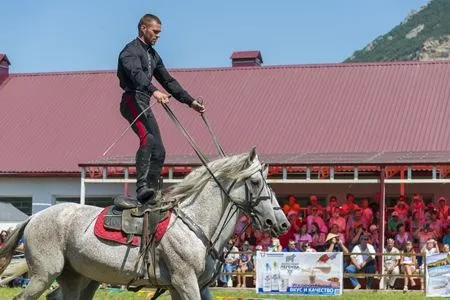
<point x="247" y="206"/>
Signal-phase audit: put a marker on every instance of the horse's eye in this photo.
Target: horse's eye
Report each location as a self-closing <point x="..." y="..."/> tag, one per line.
<point x="255" y="182"/>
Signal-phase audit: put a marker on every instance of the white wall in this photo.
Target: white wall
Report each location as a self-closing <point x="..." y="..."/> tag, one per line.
<point x="44" y="190"/>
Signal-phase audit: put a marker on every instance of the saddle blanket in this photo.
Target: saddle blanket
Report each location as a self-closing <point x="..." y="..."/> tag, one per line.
<point x="121" y="237"/>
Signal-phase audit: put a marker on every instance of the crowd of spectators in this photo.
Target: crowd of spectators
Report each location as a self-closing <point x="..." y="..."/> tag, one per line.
<point x="412" y="226"/>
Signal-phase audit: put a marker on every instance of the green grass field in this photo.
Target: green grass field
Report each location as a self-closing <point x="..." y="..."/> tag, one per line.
<point x="232" y="294"/>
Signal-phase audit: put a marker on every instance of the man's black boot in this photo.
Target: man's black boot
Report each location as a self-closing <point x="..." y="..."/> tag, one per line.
<point x="143" y="190"/>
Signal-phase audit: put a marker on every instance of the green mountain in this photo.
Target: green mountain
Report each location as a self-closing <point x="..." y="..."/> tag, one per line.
<point x="423" y="35"/>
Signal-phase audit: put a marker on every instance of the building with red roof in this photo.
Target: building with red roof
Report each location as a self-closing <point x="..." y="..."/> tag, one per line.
<point x="301" y="118"/>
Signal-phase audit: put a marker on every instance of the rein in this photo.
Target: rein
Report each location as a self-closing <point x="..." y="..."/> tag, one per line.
<point x="253" y="201"/>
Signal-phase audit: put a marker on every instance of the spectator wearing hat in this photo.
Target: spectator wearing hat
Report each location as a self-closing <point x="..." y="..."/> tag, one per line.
<point x="393" y="223"/>
<point x="335" y="244"/>
<point x="418" y="206"/>
<point x="391" y="263"/>
<point x="292" y="247"/>
<point x="443" y="208"/>
<point x="362" y="263"/>
<point x="314" y="203"/>
<point x="335" y="230"/>
<point x="402" y="209"/>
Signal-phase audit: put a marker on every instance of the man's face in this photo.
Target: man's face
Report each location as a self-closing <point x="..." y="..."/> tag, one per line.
<point x="150" y="32"/>
<point x="291" y="245"/>
<point x="390" y="244"/>
<point x="364" y="241"/>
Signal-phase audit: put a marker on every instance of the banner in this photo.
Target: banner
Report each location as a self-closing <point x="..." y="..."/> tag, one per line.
<point x="299" y="273"/>
<point x="438" y="275"/>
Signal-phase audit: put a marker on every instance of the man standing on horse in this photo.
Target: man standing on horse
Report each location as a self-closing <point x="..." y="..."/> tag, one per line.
<point x="138" y="63"/>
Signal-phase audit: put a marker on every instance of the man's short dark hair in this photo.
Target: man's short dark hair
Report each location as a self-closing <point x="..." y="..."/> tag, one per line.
<point x="147" y="19"/>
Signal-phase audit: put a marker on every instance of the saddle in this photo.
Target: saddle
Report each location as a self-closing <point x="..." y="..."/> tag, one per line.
<point x="127" y="215"/>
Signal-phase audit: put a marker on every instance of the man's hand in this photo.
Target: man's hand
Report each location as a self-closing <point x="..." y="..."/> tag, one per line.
<point x="161" y="97"/>
<point x="198" y="107"/>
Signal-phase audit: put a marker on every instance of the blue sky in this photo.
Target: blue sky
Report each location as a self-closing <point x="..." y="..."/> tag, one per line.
<point x="49" y="35"/>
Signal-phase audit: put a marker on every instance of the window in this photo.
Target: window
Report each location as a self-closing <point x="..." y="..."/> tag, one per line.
<point x="24" y="204"/>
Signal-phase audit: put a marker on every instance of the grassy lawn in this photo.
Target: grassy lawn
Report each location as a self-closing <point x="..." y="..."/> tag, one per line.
<point x="223" y="294"/>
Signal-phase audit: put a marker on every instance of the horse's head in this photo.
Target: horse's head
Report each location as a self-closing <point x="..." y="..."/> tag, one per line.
<point x="254" y="196"/>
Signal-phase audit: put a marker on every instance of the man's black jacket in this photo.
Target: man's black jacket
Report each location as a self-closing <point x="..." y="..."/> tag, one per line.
<point x="135" y="72"/>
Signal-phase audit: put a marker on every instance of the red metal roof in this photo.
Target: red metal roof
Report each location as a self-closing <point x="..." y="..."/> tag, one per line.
<point x="51" y="122"/>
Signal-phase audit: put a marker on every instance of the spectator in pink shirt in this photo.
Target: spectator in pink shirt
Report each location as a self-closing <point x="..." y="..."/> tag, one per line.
<point x="416" y="223"/>
<point x="314" y="203"/>
<point x="330" y="208"/>
<point x="367" y="214"/>
<point x="350" y="205"/>
<point x="336" y="219"/>
<point x="402" y="209"/>
<point x="402" y="237"/>
<point x="315" y="218"/>
<point x="443" y="208"/>
<point x="418" y="206"/>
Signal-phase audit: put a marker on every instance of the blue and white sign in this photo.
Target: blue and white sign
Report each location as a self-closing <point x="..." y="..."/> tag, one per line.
<point x="299" y="273"/>
<point x="438" y="275"/>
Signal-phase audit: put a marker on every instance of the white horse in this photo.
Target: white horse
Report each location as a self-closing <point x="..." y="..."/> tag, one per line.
<point x="60" y="242"/>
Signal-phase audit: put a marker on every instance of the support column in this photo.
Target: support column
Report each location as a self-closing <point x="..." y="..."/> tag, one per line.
<point x="83" y="187"/>
<point x="382" y="220"/>
<point x="125" y="186"/>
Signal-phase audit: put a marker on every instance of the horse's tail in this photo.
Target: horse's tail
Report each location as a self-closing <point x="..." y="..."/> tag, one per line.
<point x="7" y="249"/>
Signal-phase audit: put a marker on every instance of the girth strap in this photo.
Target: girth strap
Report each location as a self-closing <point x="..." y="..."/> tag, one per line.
<point x="198" y="232"/>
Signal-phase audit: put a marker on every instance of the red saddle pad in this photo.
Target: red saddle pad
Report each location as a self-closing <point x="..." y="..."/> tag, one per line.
<point x="120" y="237"/>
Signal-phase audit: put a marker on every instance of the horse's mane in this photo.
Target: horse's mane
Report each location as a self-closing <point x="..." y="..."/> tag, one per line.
<point x="235" y="167"/>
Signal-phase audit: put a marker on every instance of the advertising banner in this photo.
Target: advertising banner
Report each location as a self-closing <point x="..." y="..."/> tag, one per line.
<point x="299" y="273"/>
<point x="438" y="275"/>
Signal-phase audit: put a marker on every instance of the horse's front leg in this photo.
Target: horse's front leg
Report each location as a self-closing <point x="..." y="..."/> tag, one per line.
<point x="185" y="286"/>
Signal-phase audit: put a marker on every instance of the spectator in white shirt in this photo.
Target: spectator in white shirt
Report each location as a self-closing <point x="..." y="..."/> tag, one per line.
<point x="391" y="263"/>
<point x="362" y="263"/>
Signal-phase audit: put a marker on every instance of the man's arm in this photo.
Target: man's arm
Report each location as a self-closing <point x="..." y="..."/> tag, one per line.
<point x="169" y="83"/>
<point x="129" y="59"/>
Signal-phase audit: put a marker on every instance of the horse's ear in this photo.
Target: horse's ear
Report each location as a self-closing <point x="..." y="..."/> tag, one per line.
<point x="252" y="155"/>
<point x="265" y="170"/>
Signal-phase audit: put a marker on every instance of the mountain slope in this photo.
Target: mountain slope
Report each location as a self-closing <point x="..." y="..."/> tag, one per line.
<point x="423" y="35"/>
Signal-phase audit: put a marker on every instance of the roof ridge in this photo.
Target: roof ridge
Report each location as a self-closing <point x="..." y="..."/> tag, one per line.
<point x="266" y="67"/>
